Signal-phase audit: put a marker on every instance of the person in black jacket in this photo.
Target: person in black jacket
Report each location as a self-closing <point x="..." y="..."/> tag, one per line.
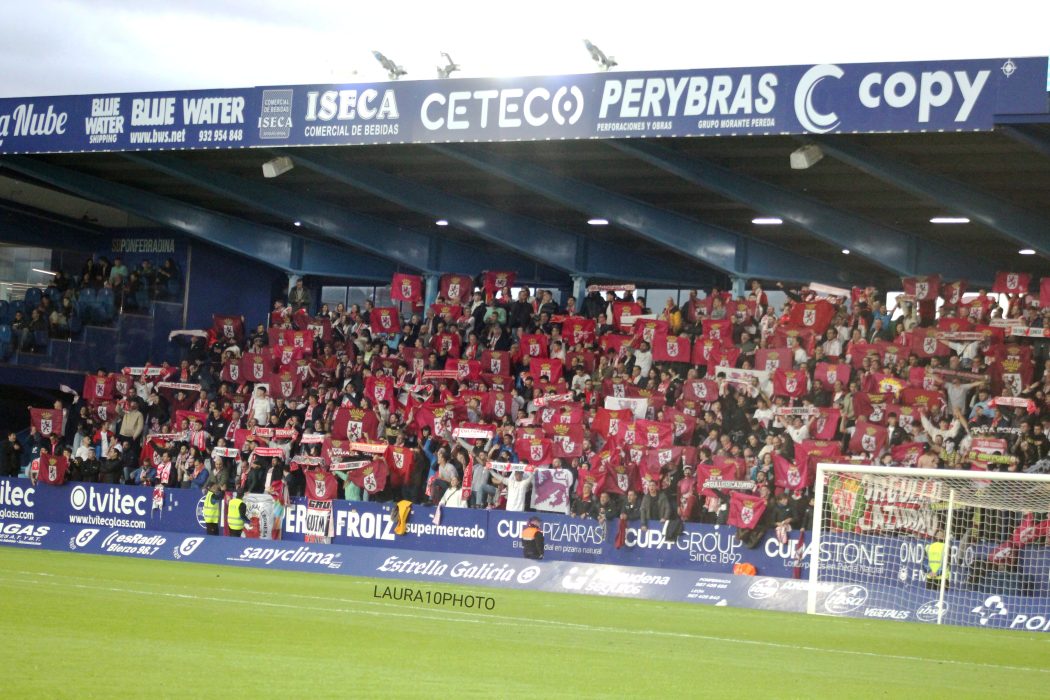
<point x="607" y="509"/>
<point x="655" y="505"/>
<point x="111" y="467"/>
<point x="584" y="506"/>
<point x="496" y="338"/>
<point x="295" y="482"/>
<point x="593" y="305"/>
<point x="129" y="457"/>
<point x="216" y="425"/>
<point x="520" y="314"/>
<point x="547" y="304"/>
<point x="10" y="456"/>
<point x="632" y="507"/>
<point x="256" y="481"/>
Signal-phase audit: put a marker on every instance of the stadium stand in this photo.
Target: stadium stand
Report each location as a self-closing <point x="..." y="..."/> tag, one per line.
<point x="99" y="296"/>
<point x="461" y="402"/>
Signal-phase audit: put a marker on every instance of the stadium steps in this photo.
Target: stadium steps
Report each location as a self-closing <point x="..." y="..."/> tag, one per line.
<point x="41" y="360"/>
<point x="132" y="340"/>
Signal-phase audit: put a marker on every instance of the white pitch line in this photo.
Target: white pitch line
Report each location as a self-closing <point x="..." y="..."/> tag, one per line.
<point x="518" y="622"/>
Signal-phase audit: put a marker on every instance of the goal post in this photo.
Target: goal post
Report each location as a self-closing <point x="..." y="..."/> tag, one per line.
<point x="931" y="545"/>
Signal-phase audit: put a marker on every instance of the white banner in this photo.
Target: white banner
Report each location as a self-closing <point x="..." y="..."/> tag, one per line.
<point x="829" y="290"/>
<point x="610" y="288"/>
<point x="627" y="321"/>
<point x="372" y="448"/>
<point x="796" y="411"/>
<point x="1030" y="332"/>
<point x="744" y="376"/>
<point x="318" y="519"/>
<point x="147" y="371"/>
<point x="552" y="398"/>
<point x="473" y="433"/>
<point x="349" y="466"/>
<point x="178" y="386"/>
<point x="637" y="407"/>
<point x="550" y="490"/>
<point x="508" y="467"/>
<point x="260" y="505"/>
<point x="195" y="334"/>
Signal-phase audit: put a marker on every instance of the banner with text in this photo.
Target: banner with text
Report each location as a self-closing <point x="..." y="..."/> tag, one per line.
<point x="962" y="95"/>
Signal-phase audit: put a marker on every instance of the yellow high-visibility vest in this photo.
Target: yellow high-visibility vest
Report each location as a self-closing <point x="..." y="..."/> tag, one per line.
<point x="935" y="554"/>
<point x="233" y="514"/>
<point x="211" y="508"/>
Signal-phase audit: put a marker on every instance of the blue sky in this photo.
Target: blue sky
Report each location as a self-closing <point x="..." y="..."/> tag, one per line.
<point x="63" y="47"/>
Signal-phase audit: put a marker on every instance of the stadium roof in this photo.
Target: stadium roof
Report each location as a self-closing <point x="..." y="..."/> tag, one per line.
<point x="680" y="210"/>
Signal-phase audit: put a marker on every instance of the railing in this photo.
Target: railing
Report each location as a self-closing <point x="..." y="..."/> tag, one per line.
<point x="16" y="291"/>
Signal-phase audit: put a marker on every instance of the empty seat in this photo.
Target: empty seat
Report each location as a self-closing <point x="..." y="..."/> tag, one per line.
<point x="5" y="341"/>
<point x="5" y="312"/>
<point x="33" y="297"/>
<point x="85" y="304"/>
<point x="141" y="299"/>
<point x="104" y="306"/>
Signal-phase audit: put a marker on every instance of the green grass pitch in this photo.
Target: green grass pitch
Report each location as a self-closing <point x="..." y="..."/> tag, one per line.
<point x="81" y="626"/>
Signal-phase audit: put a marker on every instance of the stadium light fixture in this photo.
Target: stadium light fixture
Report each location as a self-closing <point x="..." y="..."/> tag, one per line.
<point x="393" y="71"/>
<point x="604" y="62"/>
<point x="297" y="224"/>
<point x="949" y="220"/>
<point x="845" y="251"/>
<point x="767" y="221"/>
<point x="44" y="272"/>
<point x="448" y="69"/>
<point x="441" y="222"/>
<point x="598" y="222"/>
<point x="278" y="166"/>
<point x="806" y="156"/>
<point x="1026" y="251"/>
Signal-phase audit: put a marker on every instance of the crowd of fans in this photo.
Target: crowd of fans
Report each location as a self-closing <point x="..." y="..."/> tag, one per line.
<point x="102" y="290"/>
<point x="753" y="394"/>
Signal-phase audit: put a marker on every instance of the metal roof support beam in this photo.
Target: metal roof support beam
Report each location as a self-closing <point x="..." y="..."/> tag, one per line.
<point x="404" y="246"/>
<point x="1028" y="136"/>
<point x="20" y="225"/>
<point x="253" y="241"/>
<point x="1022" y="227"/>
<point x="534" y="239"/>
<point x="899" y="252"/>
<point x="712" y="245"/>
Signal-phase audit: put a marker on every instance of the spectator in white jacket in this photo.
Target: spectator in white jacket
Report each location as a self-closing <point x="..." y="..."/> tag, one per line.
<point x="517" y="484"/>
<point x="453" y="496"/>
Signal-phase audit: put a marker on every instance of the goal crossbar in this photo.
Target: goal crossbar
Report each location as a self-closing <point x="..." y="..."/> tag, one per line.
<point x="994" y="491"/>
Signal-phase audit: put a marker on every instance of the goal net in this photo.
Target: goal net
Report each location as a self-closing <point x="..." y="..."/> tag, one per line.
<point x="931" y="545"/>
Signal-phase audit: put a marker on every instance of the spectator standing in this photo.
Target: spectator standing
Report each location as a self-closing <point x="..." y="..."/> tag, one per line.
<point x="655" y="506"/>
<point x="299" y="297"/>
<point x="517" y="487"/>
<point x="10" y="456"/>
<point x="118" y="273"/>
<point x="132" y="423"/>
